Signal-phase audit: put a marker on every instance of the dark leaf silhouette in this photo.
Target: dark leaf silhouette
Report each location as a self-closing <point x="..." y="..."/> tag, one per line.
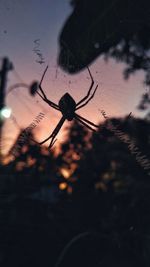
<point x="120" y="29"/>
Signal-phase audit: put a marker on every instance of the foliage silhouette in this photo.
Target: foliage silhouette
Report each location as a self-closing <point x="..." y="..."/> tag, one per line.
<point x="119" y="29"/>
<point x="144" y="104"/>
<point x="109" y="200"/>
<point x="111" y="196"/>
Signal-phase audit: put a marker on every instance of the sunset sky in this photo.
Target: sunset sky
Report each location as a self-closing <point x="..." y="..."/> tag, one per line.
<point x="27" y="25"/>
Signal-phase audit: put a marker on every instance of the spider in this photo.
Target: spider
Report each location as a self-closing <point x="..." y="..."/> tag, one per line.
<point x="67" y="106"/>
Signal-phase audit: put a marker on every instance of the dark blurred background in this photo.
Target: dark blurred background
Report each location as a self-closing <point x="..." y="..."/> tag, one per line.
<point x="93" y="186"/>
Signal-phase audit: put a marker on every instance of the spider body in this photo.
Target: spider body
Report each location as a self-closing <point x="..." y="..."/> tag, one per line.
<point x="67" y="106"/>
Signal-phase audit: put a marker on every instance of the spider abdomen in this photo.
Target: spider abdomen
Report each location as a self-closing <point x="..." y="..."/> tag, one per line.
<point x="67" y="106"/>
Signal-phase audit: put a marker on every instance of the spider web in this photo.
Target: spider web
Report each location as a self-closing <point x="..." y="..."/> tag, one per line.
<point x="116" y="96"/>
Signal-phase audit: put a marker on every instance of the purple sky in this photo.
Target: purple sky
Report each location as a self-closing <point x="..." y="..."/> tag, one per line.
<point x="24" y="21"/>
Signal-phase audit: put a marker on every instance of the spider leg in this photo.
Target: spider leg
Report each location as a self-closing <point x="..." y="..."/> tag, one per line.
<point x="88" y="99"/>
<point x="50" y="103"/>
<point x="52" y="142"/>
<point x="43" y="95"/>
<point x="87" y="121"/>
<point x="85" y="124"/>
<point x="56" y="130"/>
<point x="40" y="143"/>
<point x="53" y="134"/>
<point x="89" y="91"/>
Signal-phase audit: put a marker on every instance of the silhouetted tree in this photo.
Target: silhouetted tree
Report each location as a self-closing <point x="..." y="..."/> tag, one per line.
<point x="144" y="104"/>
<point x="109" y="199"/>
<point x="27" y="207"/>
<point x="119" y="29"/>
<point x="111" y="196"/>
